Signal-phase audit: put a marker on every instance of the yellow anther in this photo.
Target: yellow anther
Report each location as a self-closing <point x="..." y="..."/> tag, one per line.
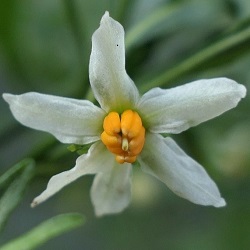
<point x="121" y="159"/>
<point x="136" y="144"/>
<point x="112" y="123"/>
<point x="130" y="123"/>
<point x="111" y="140"/>
<point x="123" y="135"/>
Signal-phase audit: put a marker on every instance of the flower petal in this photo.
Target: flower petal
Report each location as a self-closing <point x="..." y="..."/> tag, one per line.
<point x="175" y="110"/>
<point x="69" y="120"/>
<point x="165" y="160"/>
<point x="97" y="160"/>
<point x="111" y="191"/>
<point x="112" y="87"/>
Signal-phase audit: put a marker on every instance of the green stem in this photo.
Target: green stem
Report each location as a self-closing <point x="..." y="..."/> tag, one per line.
<point x="122" y="6"/>
<point x="147" y="24"/>
<point x="198" y="58"/>
<point x="71" y="10"/>
<point x="81" y="41"/>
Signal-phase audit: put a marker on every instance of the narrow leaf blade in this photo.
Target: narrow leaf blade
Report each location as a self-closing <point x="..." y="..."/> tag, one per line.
<point x="15" y="191"/>
<point x="45" y="231"/>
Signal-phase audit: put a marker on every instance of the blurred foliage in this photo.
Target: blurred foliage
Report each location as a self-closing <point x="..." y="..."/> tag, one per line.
<point x="45" y="231"/>
<point x="45" y="47"/>
<point x="15" y="190"/>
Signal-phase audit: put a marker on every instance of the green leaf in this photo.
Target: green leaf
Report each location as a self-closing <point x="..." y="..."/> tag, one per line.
<point x="147" y="24"/>
<point x="162" y="18"/>
<point x="15" y="191"/>
<point x="9" y="175"/>
<point x="45" y="231"/>
<point x="191" y="63"/>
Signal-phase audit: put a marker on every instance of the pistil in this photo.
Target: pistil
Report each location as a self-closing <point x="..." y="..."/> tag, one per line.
<point x="125" y="144"/>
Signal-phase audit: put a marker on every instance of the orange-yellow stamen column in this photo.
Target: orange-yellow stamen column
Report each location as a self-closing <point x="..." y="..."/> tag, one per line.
<point x="123" y="135"/>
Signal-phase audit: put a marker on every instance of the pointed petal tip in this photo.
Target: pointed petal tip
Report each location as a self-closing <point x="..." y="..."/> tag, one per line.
<point x="106" y="14"/>
<point x="40" y="199"/>
<point x="240" y="87"/>
<point x="34" y="203"/>
<point x="7" y="97"/>
<point x="220" y="203"/>
<point x="105" y="17"/>
<point x="243" y="90"/>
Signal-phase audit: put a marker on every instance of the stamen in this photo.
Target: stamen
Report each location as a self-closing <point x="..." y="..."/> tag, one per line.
<point x="123" y="135"/>
<point x="112" y="123"/>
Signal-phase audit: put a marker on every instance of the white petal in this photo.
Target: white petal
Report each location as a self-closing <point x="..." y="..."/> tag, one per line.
<point x="111" y="191"/>
<point x="175" y="110"/>
<point x="69" y="120"/>
<point x="97" y="160"/>
<point x="112" y="87"/>
<point x="165" y="160"/>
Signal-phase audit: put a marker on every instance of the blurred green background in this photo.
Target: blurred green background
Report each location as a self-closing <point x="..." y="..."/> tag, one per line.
<point x="45" y="47"/>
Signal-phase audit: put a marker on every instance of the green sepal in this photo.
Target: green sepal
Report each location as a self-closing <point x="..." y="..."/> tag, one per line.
<point x="79" y="149"/>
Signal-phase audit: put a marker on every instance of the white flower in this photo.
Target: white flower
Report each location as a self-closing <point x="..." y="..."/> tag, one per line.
<point x="128" y="125"/>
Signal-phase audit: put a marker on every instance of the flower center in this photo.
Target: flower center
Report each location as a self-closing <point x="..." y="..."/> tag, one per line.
<point x="123" y="135"/>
